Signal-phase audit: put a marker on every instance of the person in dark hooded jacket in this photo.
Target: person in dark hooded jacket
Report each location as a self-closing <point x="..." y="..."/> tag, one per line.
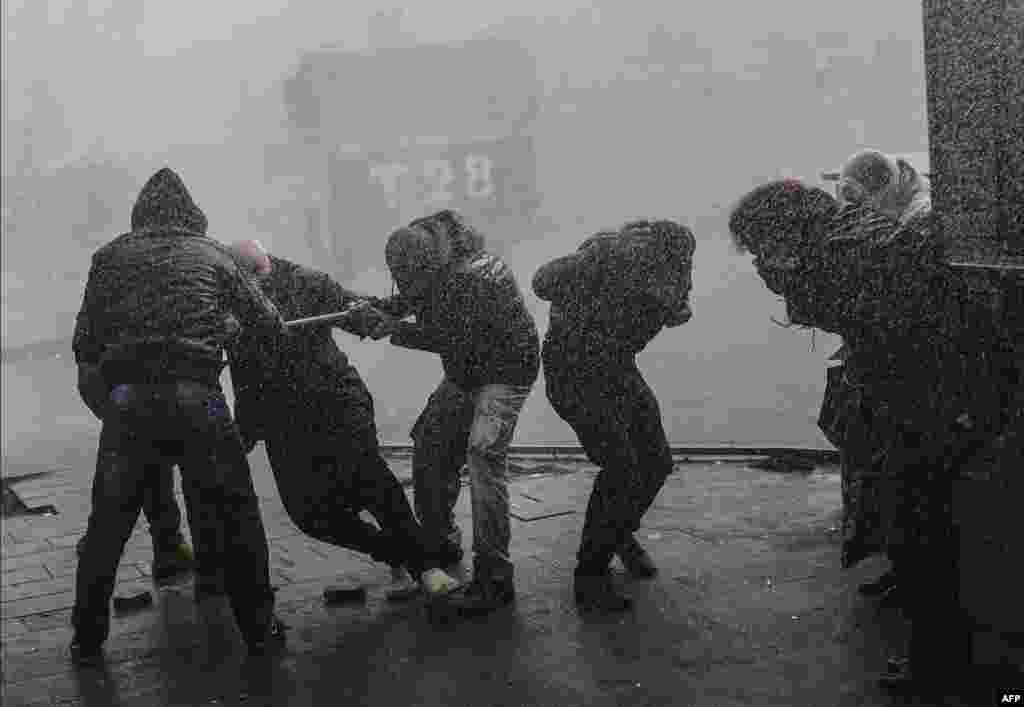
<point x="929" y="353"/>
<point x="160" y="304"/>
<point x="300" y="394"/>
<point x="468" y="309"/>
<point x="892" y="188"/>
<point x="608" y="301"/>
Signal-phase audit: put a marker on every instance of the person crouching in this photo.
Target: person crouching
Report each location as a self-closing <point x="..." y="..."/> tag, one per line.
<point x="609" y="300"/>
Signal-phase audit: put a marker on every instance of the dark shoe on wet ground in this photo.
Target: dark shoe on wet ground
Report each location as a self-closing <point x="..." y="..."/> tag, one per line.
<point x="173" y="561"/>
<point x="636" y="560"/>
<point x="485" y="594"/>
<point x="449" y="555"/>
<point x="207" y="587"/>
<point x="893" y="598"/>
<point x="272" y="642"/>
<point x="403" y="587"/>
<point x="85" y="654"/>
<point x="597" y="594"/>
<point x="880" y="586"/>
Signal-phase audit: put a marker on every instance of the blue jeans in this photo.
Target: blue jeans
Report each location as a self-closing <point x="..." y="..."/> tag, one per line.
<point x="475" y="428"/>
<point x="188" y="423"/>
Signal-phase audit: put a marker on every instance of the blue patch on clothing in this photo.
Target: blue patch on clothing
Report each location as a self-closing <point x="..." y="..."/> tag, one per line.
<point x="121" y="394"/>
<point x="217" y="407"/>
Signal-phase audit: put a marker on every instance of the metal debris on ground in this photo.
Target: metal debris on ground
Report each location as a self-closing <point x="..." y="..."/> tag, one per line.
<point x="135" y="602"/>
<point x="344" y="595"/>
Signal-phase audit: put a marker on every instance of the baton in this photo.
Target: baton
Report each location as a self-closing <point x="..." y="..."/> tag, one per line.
<point x="333" y="318"/>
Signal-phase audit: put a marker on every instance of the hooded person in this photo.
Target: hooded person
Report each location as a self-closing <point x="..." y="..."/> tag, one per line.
<point x="160" y="304"/>
<point x="893" y="188"/>
<point x="300" y="394"/>
<point x="608" y="301"/>
<point x="926" y="357"/>
<point x="469" y="310"/>
<point x="889" y="185"/>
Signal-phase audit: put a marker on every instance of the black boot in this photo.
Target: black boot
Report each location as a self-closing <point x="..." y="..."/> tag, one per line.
<point x="271" y="642"/>
<point x="449" y="554"/>
<point x="636" y="560"/>
<point x="880" y="586"/>
<point x="86" y="654"/>
<point x="492" y="588"/>
<point x="172" y="561"/>
<point x="597" y="594"/>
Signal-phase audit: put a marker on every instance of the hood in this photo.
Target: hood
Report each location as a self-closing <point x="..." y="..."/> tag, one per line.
<point x="452" y="238"/>
<point x="165" y="204"/>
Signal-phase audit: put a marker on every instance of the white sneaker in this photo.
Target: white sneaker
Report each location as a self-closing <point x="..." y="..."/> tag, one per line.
<point x="437" y="583"/>
<point x="403" y="586"/>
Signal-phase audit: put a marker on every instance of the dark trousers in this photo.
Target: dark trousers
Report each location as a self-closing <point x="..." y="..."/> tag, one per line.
<point x="159" y="506"/>
<point x="617" y="419"/>
<point x="440" y="446"/>
<point x="188" y="423"/>
<point x="326" y="479"/>
<point x="929" y="546"/>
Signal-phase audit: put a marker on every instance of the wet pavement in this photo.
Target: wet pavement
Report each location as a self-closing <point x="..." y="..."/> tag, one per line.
<point x="750" y="608"/>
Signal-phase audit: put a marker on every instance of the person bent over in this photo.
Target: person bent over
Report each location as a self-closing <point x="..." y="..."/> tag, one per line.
<point x="160" y="303"/>
<point x="468" y="309"/>
<point x="299" y="393"/>
<point x="608" y="301"/>
<point x="930" y="352"/>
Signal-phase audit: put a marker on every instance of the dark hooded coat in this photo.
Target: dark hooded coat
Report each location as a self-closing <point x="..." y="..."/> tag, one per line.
<point x="300" y="377"/>
<point x="613" y="296"/>
<point x="475" y="317"/>
<point x="163" y="300"/>
<point x="929" y="369"/>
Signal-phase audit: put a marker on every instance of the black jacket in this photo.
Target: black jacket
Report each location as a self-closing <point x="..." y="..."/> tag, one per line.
<point x="162" y="301"/>
<point x="602" y="313"/>
<point x="476" y="319"/>
<point x="300" y="376"/>
<point x="925" y="350"/>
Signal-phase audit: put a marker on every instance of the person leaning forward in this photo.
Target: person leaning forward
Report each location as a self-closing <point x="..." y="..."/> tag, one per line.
<point x="161" y="302"/>
<point x="940" y="365"/>
<point x="468" y="309"/>
<point x="300" y="394"/>
<point x="608" y="301"/>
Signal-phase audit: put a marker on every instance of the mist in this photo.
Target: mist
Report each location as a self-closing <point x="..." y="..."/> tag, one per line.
<point x="645" y="109"/>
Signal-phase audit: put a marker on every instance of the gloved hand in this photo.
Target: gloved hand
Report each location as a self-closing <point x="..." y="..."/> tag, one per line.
<point x="363" y="319"/>
<point x="384" y="328"/>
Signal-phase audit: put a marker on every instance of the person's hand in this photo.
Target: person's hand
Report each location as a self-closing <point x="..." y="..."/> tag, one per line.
<point x="384" y="328"/>
<point x="366" y="320"/>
